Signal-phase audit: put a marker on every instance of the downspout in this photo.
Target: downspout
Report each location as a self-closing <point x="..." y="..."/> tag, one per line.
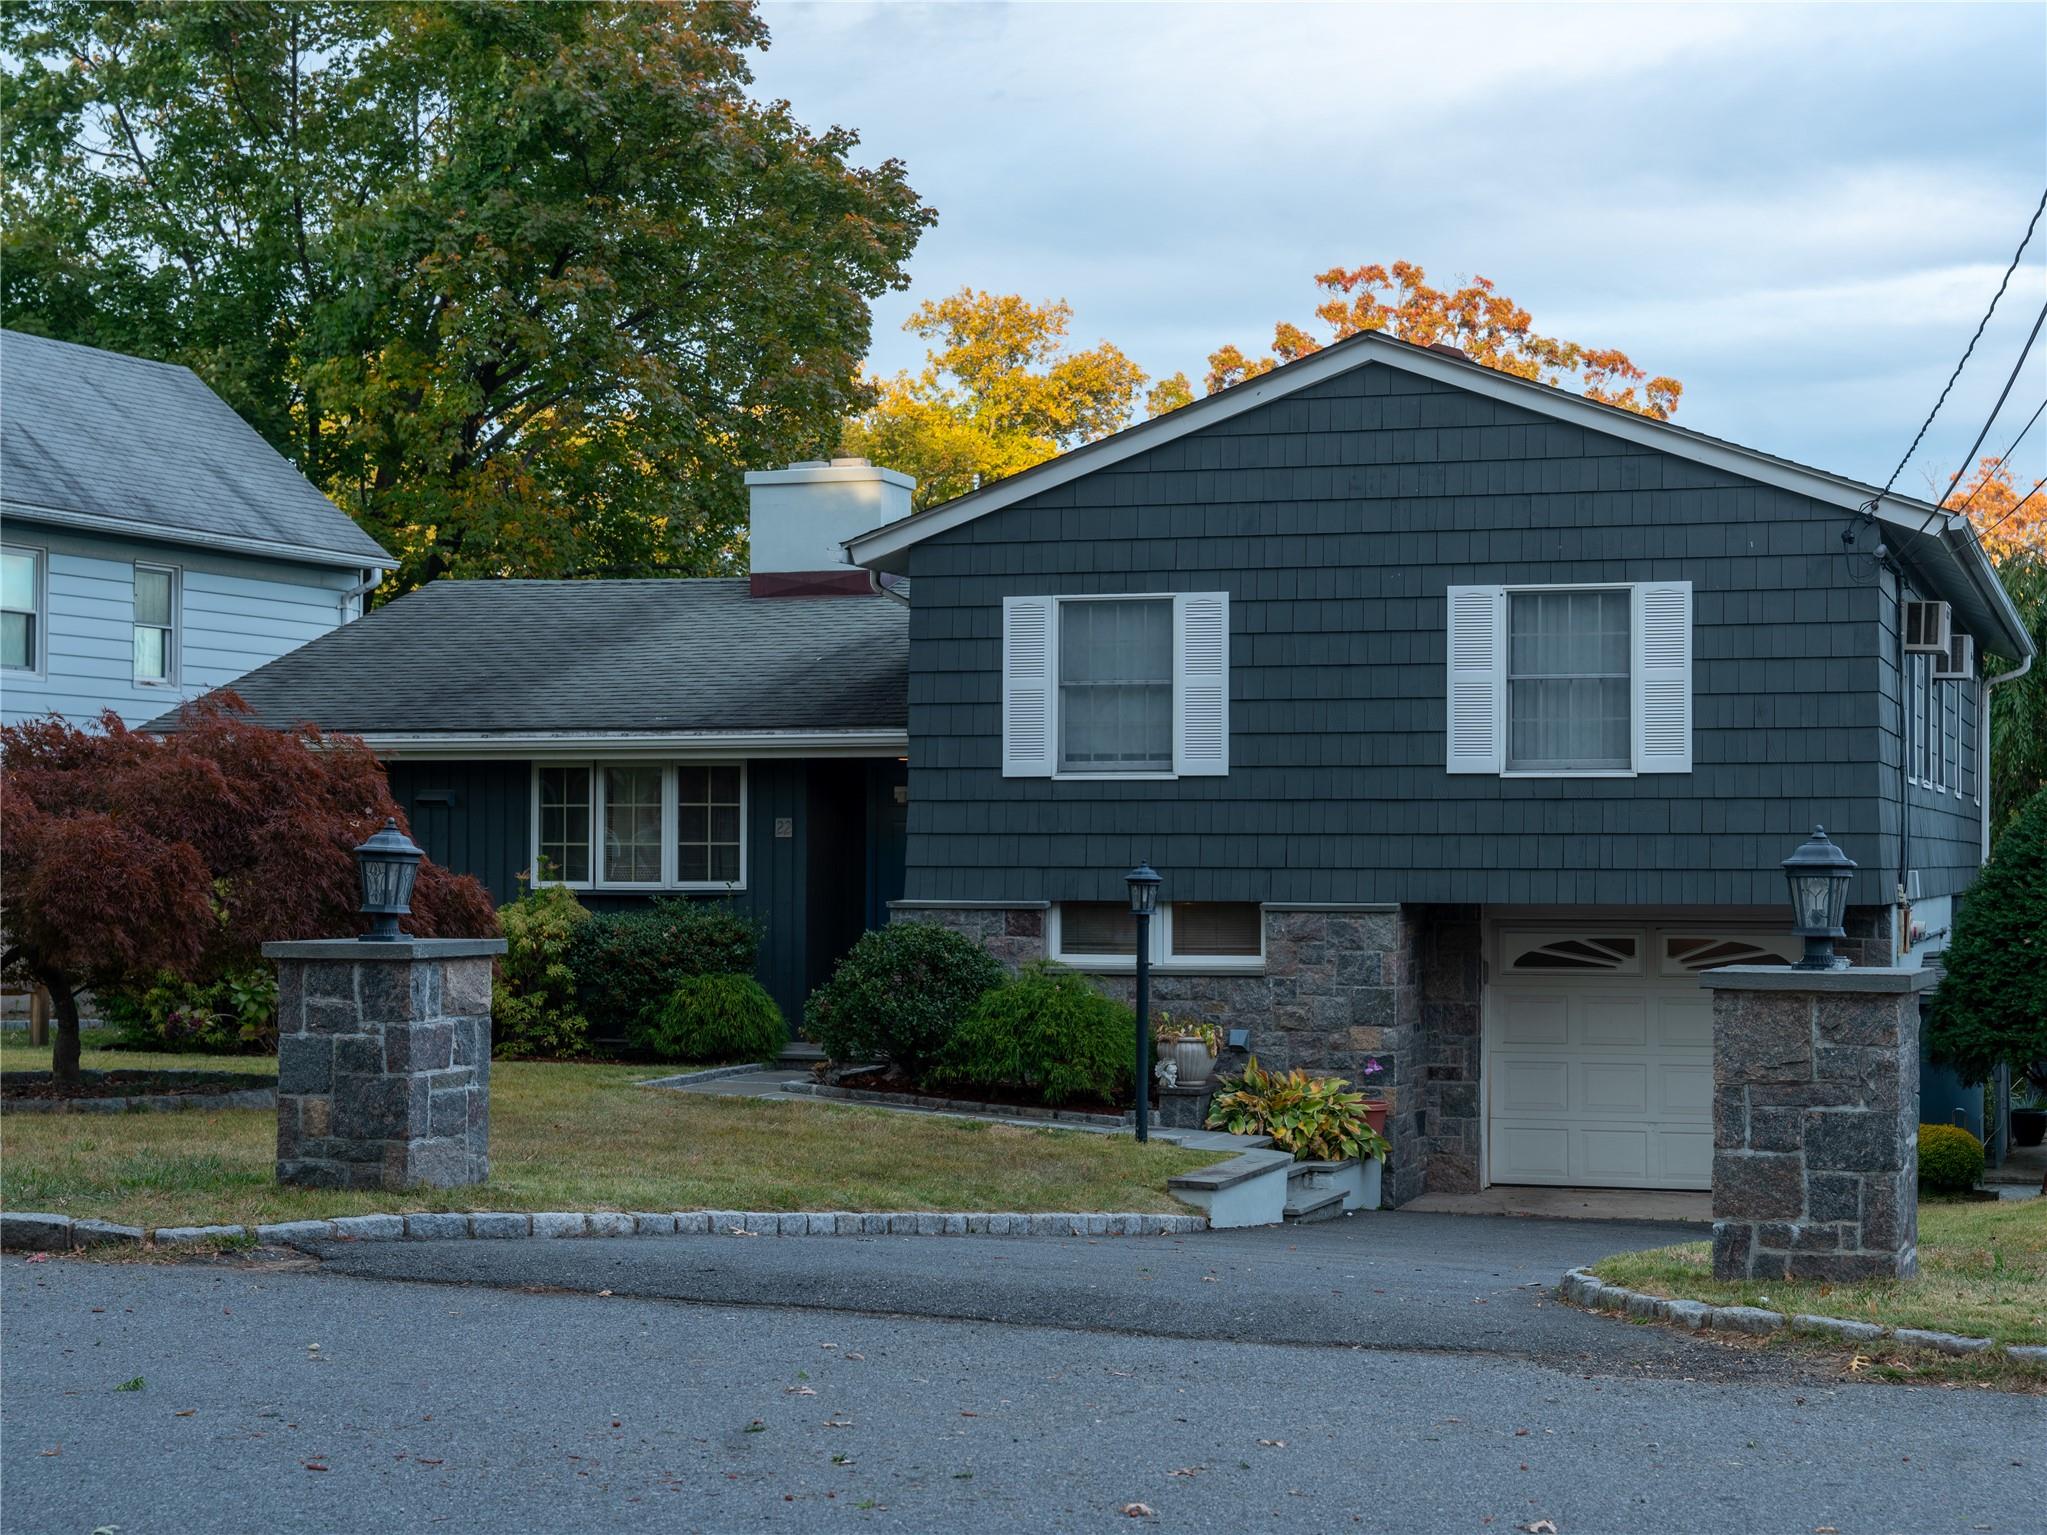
<point x="1990" y="685"/>
<point x="373" y="579"/>
<point x="1901" y="940"/>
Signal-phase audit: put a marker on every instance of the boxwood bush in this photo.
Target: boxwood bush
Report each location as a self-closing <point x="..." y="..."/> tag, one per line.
<point x="626" y="963"/>
<point x="899" y="994"/>
<point x="1047" y="1032"/>
<point x="714" y="1018"/>
<point x="533" y="994"/>
<point x="1950" y="1159"/>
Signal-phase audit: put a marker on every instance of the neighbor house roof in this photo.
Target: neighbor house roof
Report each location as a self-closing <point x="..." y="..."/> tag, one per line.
<point x="499" y="666"/>
<point x="1941" y="547"/>
<point x="94" y="439"/>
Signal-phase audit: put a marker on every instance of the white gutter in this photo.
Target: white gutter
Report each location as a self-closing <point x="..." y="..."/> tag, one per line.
<point x="361" y="589"/>
<point x="582" y="745"/>
<point x="1991" y="685"/>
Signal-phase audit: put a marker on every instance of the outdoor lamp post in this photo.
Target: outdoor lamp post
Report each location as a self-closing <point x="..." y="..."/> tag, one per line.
<point x="1818" y="874"/>
<point x="1144" y="900"/>
<point x="389" y="862"/>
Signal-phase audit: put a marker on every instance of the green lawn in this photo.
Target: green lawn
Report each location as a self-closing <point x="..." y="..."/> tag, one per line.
<point x="576" y="1137"/>
<point x="1982" y="1273"/>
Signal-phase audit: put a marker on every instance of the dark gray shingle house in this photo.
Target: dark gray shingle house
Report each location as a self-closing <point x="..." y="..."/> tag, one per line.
<point x="738" y="739"/>
<point x="1467" y="720"/>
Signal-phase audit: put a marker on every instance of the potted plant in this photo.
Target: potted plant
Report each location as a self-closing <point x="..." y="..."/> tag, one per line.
<point x="1375" y="1107"/>
<point x="2029" y="1123"/>
<point x="1190" y="1044"/>
<point x="1325" y="1126"/>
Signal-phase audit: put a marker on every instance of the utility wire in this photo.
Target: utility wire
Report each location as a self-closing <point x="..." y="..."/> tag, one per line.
<point x="1918" y="436"/>
<point x="1989" y="421"/>
<point x="2003" y="460"/>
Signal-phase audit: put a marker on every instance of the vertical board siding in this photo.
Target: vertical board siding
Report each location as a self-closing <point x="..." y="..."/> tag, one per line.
<point x="234" y="614"/>
<point x="1337" y="521"/>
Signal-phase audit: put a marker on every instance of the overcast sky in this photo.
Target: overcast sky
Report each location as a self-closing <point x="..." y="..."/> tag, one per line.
<point x="1800" y="212"/>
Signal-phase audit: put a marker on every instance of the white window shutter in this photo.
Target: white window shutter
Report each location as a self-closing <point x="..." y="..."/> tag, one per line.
<point x="1477" y="652"/>
<point x="1029" y="645"/>
<point x="1663" y="677"/>
<point x="1201" y="693"/>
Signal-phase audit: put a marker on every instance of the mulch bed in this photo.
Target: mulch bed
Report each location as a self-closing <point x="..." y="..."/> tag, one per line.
<point x="40" y="1086"/>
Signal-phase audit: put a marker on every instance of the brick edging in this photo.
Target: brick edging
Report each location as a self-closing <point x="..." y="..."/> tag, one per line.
<point x="1584" y="1288"/>
<point x="27" y="1232"/>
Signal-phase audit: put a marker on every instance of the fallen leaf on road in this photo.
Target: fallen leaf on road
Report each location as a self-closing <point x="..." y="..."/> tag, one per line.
<point x="796" y="1391"/>
<point x="851" y="1355"/>
<point x="186" y="1413"/>
<point x="1520" y="1433"/>
<point x="37" y="1258"/>
<point x="603" y="1292"/>
<point x="1188" y="1471"/>
<point x="1138" y="1511"/>
<point x="1540" y="1527"/>
<point x="1273" y="1444"/>
<point x="314" y="1465"/>
<point x="1824" y="1529"/>
<point x="58" y="1451"/>
<point x="421" y="1460"/>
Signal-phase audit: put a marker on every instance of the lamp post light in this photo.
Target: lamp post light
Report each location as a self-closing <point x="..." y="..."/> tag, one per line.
<point x="389" y="863"/>
<point x="1818" y="874"/>
<point x="1144" y="900"/>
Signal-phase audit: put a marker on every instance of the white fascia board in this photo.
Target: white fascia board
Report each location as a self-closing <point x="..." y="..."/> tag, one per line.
<point x="884" y="548"/>
<point x="828" y="474"/>
<point x="582" y="745"/>
<point x="155" y="532"/>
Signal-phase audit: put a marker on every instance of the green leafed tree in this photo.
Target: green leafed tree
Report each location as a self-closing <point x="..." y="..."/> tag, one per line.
<point x="1991" y="1008"/>
<point x="524" y="287"/>
<point x="999" y="392"/>
<point x="2018" y="708"/>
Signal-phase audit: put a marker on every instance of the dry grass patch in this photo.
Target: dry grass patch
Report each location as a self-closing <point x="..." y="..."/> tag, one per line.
<point x="583" y="1137"/>
<point x="1982" y="1273"/>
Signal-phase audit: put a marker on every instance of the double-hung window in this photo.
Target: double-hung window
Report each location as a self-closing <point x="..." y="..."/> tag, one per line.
<point x="156" y="625"/>
<point x="1101" y="687"/>
<point x="1555" y="681"/>
<point x="640" y="825"/>
<point x="1187" y="935"/>
<point x="21" y="610"/>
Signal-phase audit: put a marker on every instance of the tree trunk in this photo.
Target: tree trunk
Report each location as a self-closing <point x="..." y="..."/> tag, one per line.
<point x="39" y="1014"/>
<point x="64" y="1051"/>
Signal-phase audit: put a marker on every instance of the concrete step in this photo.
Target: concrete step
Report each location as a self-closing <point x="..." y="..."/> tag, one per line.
<point x="1307" y="1206"/>
<point x="799" y="1052"/>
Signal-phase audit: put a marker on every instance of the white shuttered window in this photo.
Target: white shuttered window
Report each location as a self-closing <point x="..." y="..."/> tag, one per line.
<point x="1101" y="686"/>
<point x="1552" y="681"/>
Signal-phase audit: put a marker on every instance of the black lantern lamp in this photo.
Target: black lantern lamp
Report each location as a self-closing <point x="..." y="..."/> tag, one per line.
<point x="1818" y="874"/>
<point x="390" y="863"/>
<point x="1144" y="885"/>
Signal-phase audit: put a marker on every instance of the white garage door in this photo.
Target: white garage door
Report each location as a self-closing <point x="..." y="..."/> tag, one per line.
<point x="1598" y="1053"/>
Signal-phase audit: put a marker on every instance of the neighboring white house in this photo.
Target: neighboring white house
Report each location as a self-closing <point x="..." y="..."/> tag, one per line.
<point x="152" y="545"/>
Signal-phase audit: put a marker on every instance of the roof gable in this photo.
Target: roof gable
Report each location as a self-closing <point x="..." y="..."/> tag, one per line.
<point x="1942" y="548"/>
<point x="96" y="439"/>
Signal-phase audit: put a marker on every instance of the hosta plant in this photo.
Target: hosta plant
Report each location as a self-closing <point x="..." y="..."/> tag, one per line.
<point x="1318" y="1119"/>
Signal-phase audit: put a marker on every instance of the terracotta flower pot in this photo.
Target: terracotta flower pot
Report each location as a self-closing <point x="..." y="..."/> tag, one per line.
<point x="1375" y="1114"/>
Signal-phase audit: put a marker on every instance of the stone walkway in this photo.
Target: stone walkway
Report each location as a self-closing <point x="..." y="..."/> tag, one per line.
<point x="767" y="1083"/>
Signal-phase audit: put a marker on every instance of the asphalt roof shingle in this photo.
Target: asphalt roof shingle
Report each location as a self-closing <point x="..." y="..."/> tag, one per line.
<point x="531" y="657"/>
<point x="96" y="438"/>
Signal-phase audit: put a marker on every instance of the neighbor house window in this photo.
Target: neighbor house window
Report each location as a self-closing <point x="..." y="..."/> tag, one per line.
<point x="1116" y="686"/>
<point x="640" y="826"/>
<point x="632" y="825"/>
<point x="1568" y="681"/>
<point x="21" y="610"/>
<point x="564" y="825"/>
<point x="156" y="628"/>
<point x="707" y="824"/>
<point x="1102" y="935"/>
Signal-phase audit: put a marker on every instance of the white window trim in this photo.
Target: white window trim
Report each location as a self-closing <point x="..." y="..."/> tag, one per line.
<point x="1163" y="960"/>
<point x="668" y="881"/>
<point x="174" y="633"/>
<point x="38" y="669"/>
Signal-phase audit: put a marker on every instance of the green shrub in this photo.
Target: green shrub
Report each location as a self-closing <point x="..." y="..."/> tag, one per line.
<point x="533" y="996"/>
<point x="1950" y="1160"/>
<point x="627" y="962"/>
<point x="1315" y="1118"/>
<point x="1991" y="1008"/>
<point x="1046" y="1032"/>
<point x="899" y="994"/>
<point x="714" y="1018"/>
<point x="235" y="1015"/>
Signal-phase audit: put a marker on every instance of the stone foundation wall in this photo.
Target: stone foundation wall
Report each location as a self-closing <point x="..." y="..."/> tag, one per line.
<point x="1342" y="987"/>
<point x="383" y="1062"/>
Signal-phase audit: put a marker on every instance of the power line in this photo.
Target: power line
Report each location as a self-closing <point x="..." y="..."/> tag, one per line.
<point x="2003" y="460"/>
<point x="1918" y="436"/>
<point x="1990" y="420"/>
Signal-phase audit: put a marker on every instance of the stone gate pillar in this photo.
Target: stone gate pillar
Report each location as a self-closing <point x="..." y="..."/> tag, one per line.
<point x="383" y="1062"/>
<point x="1815" y="1122"/>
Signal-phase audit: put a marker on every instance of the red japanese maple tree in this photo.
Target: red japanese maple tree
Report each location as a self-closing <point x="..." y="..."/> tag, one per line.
<point x="124" y="853"/>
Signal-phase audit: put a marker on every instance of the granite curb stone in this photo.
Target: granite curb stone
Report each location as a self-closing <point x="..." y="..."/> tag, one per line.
<point x="1584" y="1288"/>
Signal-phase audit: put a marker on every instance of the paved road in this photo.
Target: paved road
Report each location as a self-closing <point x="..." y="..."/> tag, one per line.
<point x="436" y="1406"/>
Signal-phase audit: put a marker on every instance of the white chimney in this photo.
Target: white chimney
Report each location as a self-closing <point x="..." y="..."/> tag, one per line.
<point x="797" y="519"/>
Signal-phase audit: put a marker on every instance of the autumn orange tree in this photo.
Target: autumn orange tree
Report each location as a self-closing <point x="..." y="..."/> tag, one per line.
<point x="1484" y="324"/>
<point x="2006" y="522"/>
